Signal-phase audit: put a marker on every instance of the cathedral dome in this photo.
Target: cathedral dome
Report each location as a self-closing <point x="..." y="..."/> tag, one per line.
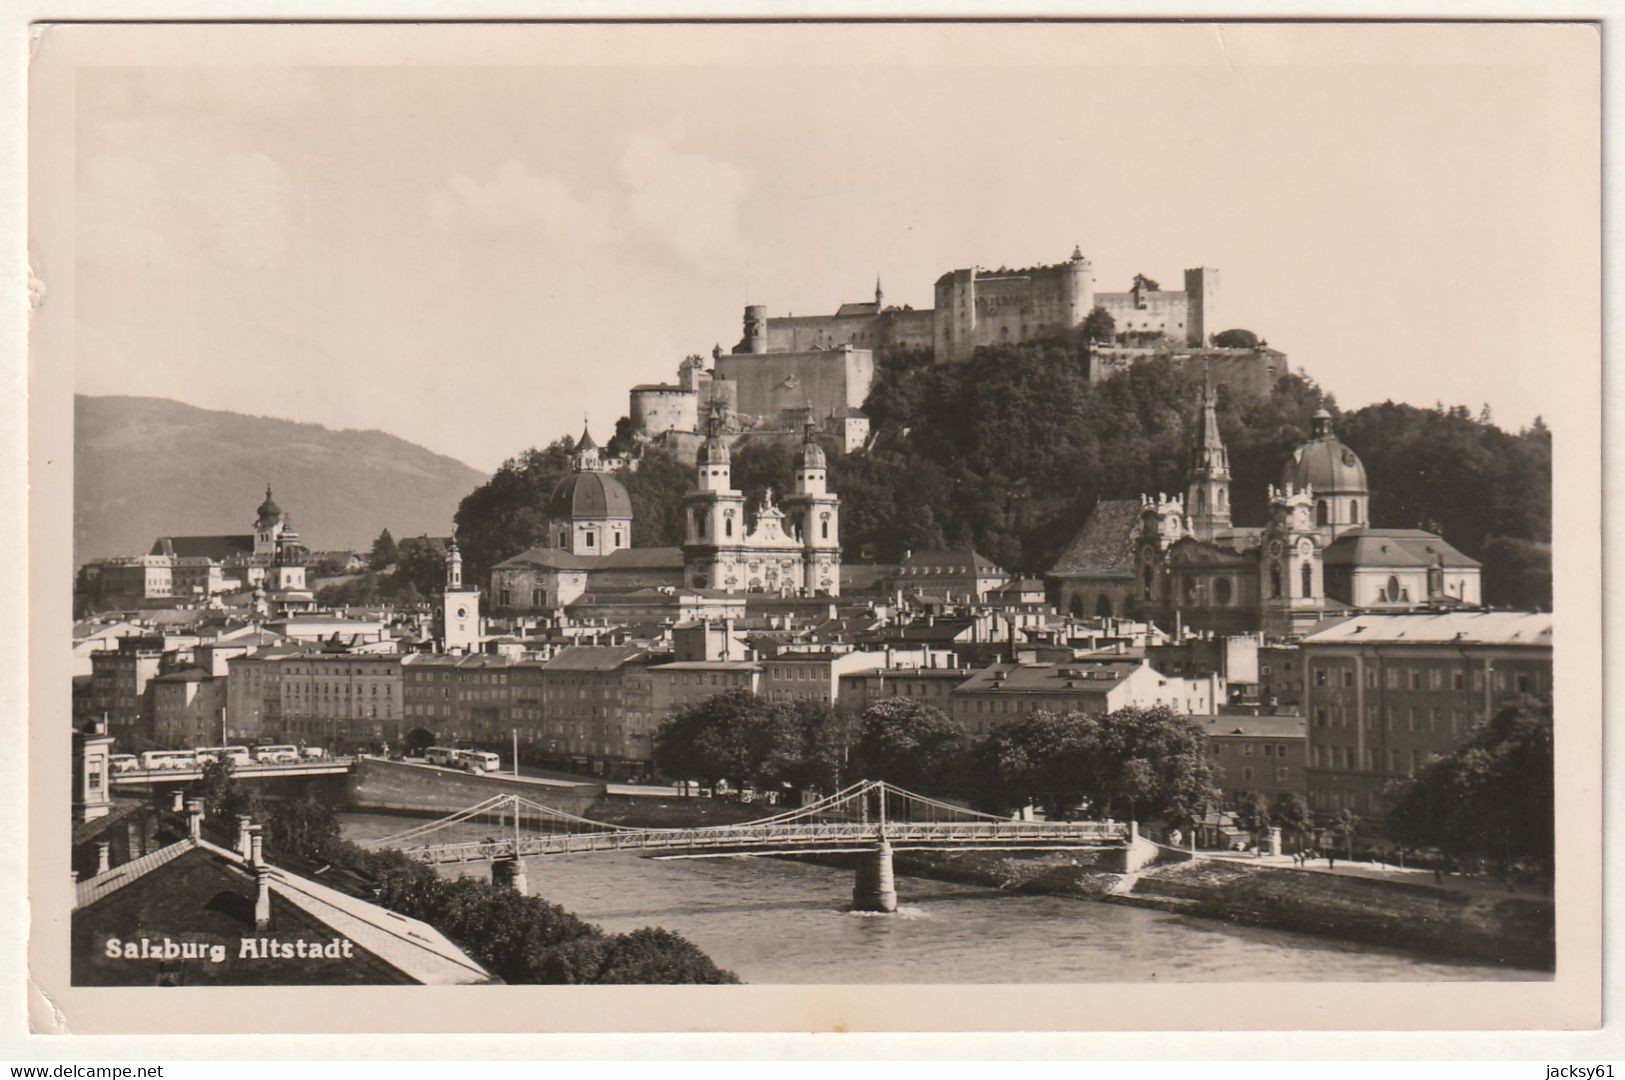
<point x="1324" y="463"/>
<point x="589" y="495"/>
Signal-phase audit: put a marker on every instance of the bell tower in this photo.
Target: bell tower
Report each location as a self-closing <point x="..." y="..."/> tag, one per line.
<point x="816" y="512"/>
<point x="714" y="517"/>
<point x="1291" y="571"/>
<point x="1207" y="494"/>
<point x="459" y="607"/>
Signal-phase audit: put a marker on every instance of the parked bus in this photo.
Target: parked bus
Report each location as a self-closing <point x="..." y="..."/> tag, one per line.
<point x="169" y="759"/>
<point x="314" y="753"/>
<point x="441" y="755"/>
<point x="123" y="762"/>
<point x="478" y="761"/>
<point x="276" y="755"/>
<point x="237" y="755"/>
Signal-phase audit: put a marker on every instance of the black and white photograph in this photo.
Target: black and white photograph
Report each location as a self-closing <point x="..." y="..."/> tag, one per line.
<point x="1058" y="511"/>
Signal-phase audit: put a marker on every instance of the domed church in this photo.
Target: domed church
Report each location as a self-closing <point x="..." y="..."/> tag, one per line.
<point x="1179" y="560"/>
<point x="793" y="550"/>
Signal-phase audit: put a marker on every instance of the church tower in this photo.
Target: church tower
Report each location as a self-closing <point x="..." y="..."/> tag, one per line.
<point x="459" y="607"/>
<point x="714" y="517"/>
<point x="267" y="525"/>
<point x="816" y="512"/>
<point x="1291" y="571"/>
<point x="1207" y="494"/>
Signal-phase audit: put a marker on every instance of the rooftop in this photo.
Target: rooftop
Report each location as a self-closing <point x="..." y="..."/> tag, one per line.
<point x="1450" y="628"/>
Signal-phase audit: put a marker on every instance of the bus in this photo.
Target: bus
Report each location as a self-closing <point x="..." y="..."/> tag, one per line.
<point x="169" y="759"/>
<point x="123" y="762"/>
<point x="479" y="761"/>
<point x="276" y="755"/>
<point x="237" y="755"/>
<point x="441" y="755"/>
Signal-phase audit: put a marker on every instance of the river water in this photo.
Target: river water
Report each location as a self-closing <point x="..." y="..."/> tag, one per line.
<point x="784" y="921"/>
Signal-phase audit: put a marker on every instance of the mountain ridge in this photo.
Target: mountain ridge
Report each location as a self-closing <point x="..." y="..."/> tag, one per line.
<point x="147" y="466"/>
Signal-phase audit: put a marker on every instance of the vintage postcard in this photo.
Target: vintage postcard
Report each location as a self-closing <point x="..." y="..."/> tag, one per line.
<point x="863" y="526"/>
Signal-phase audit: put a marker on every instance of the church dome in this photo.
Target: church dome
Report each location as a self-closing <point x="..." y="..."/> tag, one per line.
<point x="1325" y="463"/>
<point x="589" y="495"/>
<point x="269" y="510"/>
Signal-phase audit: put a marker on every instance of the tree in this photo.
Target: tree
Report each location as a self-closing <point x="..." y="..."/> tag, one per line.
<point x="1041" y="755"/>
<point x="1291" y="812"/>
<point x="1252" y="811"/>
<point x="652" y="955"/>
<point x="909" y="744"/>
<point x="1145" y="283"/>
<point x="1156" y="761"/>
<point x="1236" y="339"/>
<point x="1492" y="797"/>
<point x="420" y="569"/>
<point x="1347" y="822"/>
<point x="507" y="515"/>
<point x="305" y="827"/>
<point x="1099" y="325"/>
<point x="732" y="736"/>
<point x="383" y="552"/>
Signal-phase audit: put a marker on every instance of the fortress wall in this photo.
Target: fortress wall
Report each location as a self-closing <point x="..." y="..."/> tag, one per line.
<point x="771" y="383"/>
<point x="1165" y="311"/>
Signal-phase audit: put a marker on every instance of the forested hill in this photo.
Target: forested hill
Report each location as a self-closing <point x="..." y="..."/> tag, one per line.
<point x="1009" y="451"/>
<point x="146" y="467"/>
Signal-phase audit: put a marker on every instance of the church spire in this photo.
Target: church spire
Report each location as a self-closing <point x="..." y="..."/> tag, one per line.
<point x="1207" y="497"/>
<point x="880" y="295"/>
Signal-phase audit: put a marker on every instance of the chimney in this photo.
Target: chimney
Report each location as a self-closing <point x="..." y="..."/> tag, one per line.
<point x="194" y="818"/>
<point x="244" y="841"/>
<point x="104" y="856"/>
<point x="262" y="879"/>
<point x="178" y="801"/>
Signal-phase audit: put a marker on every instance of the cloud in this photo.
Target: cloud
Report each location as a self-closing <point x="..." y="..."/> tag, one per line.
<point x="685" y="199"/>
<point x="515" y="197"/>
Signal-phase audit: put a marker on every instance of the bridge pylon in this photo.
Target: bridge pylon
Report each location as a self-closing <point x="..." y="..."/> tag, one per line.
<point x="876" y="886"/>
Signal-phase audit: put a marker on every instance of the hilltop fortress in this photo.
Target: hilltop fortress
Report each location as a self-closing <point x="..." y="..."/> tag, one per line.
<point x="786" y="372"/>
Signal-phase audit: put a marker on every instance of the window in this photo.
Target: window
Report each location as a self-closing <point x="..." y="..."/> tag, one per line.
<point x="1458" y="680"/>
<point x="1354" y="511"/>
<point x="1247" y="774"/>
<point x="1308" y="579"/>
<point x="1320" y="512"/>
<point x="1392" y="592"/>
<point x="1246" y="749"/>
<point x="1280" y="772"/>
<point x="1348" y="676"/>
<point x="728" y="527"/>
<point x="1371" y="678"/>
<point x="1320" y="676"/>
<point x="1320" y="717"/>
<point x="1416" y="679"/>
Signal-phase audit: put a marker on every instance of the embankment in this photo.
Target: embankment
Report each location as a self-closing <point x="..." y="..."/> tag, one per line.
<point x="393" y="787"/>
<point x="1517" y="931"/>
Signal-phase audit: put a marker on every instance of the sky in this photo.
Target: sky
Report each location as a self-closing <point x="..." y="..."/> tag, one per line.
<point x="474" y="239"/>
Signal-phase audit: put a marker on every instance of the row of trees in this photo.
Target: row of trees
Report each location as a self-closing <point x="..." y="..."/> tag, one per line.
<point x="521" y="939"/>
<point x="1135" y="763"/>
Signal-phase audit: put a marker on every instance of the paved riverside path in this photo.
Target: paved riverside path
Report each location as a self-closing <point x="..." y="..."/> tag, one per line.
<point x="1409" y="875"/>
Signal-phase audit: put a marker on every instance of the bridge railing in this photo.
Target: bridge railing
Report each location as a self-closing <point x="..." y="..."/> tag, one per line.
<point x="750" y="838"/>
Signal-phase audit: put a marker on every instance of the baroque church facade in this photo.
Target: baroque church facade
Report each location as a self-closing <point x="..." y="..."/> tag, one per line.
<point x="1181" y="561"/>
<point x="791" y="549"/>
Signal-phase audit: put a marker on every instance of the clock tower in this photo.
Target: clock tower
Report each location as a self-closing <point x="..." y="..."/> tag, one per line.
<point x="459" y="607"/>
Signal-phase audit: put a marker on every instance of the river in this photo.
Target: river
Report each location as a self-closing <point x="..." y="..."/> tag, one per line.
<point x="783" y="921"/>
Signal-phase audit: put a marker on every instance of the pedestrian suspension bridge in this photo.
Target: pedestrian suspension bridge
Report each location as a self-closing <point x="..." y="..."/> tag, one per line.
<point x="870" y="817"/>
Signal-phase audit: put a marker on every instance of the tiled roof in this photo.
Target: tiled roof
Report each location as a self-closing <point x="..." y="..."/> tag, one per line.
<point x="1104" y="546"/>
<point x="1081" y="677"/>
<point x="948" y="560"/>
<point x="1399" y="548"/>
<point x="1453" y="628"/>
<point x="594" y="657"/>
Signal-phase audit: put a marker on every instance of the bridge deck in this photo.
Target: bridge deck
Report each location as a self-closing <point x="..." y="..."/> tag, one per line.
<point x="787" y="839"/>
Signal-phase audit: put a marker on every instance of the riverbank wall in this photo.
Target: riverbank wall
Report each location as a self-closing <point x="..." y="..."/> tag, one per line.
<point x="1514" y="931"/>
